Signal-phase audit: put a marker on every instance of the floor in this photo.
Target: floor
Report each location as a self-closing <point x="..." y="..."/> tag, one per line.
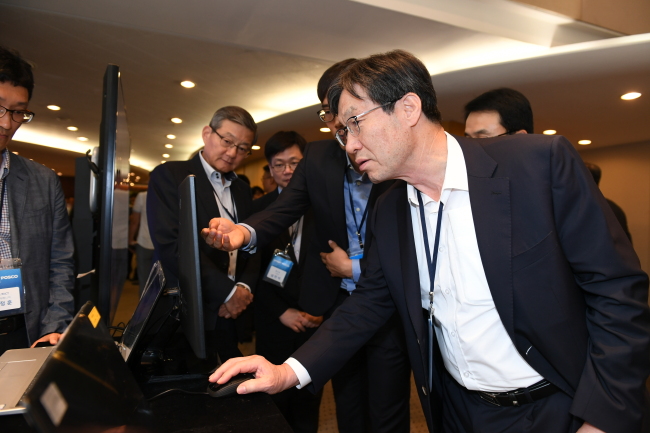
<point x="327" y="422"/>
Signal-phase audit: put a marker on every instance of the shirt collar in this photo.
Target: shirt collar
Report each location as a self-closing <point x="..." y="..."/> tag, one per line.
<point x="455" y="173"/>
<point x="209" y="170"/>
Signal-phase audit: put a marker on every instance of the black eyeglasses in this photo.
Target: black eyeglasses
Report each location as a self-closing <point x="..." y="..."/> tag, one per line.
<point x="279" y="167"/>
<point x="353" y="127"/>
<point x="325" y="115"/>
<point x="18" y="116"/>
<point x="228" y="144"/>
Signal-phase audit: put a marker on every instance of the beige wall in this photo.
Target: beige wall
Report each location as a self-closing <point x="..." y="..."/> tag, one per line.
<point x="254" y="171"/>
<point x="626" y="16"/>
<point x="626" y="181"/>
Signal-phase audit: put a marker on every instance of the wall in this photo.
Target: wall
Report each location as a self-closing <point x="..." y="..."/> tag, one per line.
<point x="626" y="181"/>
<point x="254" y="171"/>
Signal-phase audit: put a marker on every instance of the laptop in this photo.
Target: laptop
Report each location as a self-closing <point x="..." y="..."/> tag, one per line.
<point x="85" y="385"/>
<point x="18" y="367"/>
<point x="135" y="329"/>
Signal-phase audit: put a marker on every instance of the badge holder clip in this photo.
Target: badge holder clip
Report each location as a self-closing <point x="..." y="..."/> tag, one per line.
<point x="12" y="292"/>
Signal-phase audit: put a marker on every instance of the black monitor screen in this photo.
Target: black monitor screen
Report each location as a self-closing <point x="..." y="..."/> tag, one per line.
<point x="189" y="269"/>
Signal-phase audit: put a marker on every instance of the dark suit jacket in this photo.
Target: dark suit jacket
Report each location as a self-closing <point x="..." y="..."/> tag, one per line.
<point x="41" y="237"/>
<point x="316" y="183"/>
<point x="274" y="340"/>
<point x="162" y="212"/>
<point x="564" y="278"/>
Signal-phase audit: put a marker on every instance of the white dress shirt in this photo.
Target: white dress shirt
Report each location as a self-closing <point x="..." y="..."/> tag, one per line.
<point x="225" y="202"/>
<point x="476" y="349"/>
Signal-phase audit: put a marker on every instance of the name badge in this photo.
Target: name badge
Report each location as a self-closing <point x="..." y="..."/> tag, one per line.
<point x="277" y="272"/>
<point x="12" y="292"/>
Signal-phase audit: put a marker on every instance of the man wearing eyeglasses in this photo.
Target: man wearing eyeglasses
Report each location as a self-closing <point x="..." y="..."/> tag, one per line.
<point x="498" y="112"/>
<point x="34" y="226"/>
<point x="227" y="278"/>
<point x="372" y="389"/>
<point x="524" y="304"/>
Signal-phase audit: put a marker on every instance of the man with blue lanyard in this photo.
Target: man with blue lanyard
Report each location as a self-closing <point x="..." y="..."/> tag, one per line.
<point x="372" y="389"/>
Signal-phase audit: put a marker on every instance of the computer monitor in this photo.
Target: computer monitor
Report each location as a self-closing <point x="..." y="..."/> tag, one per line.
<point x="189" y="269"/>
<point x="139" y="324"/>
<point x="85" y="384"/>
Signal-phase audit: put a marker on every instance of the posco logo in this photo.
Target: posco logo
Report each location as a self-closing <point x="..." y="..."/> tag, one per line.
<point x="8" y="277"/>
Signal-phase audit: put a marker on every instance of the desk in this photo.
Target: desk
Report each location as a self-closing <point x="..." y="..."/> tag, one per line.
<point x="179" y="412"/>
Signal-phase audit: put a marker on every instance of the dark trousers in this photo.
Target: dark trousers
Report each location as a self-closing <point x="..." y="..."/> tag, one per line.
<point x="465" y="412"/>
<point x="372" y="390"/>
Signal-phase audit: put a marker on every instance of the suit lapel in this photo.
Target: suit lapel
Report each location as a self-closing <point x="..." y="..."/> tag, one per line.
<point x="334" y="172"/>
<point x="490" y="202"/>
<point x="408" y="262"/>
<point x="16" y="199"/>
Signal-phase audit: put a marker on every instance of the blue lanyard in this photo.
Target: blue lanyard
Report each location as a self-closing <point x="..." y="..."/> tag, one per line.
<point x="354" y="215"/>
<point x="431" y="263"/>
<point x="2" y="197"/>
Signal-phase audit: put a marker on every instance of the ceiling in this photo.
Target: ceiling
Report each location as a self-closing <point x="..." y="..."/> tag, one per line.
<point x="267" y="56"/>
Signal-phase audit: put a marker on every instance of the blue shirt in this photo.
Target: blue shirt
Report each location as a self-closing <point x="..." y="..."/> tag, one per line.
<point x="359" y="186"/>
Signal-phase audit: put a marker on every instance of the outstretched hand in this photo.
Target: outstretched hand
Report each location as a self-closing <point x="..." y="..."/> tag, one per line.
<point x="225" y="235"/>
<point x="269" y="378"/>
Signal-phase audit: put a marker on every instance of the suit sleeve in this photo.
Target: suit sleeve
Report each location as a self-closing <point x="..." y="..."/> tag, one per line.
<point x="351" y="325"/>
<point x="61" y="302"/>
<point x="610" y="394"/>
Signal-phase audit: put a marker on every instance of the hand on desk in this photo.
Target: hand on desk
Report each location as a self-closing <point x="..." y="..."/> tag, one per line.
<point x="269" y="378"/>
<point x="337" y="262"/>
<point x="236" y="304"/>
<point x="225" y="235"/>
<point x="299" y="321"/>
<point x="52" y="339"/>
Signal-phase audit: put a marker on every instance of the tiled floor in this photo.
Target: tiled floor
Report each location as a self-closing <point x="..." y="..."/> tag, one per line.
<point x="327" y="424"/>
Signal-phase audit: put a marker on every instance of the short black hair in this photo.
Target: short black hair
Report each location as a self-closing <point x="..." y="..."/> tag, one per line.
<point x="267" y="169"/>
<point x="256" y="190"/>
<point x="595" y="171"/>
<point x="15" y="70"/>
<point x="245" y="179"/>
<point x="282" y="140"/>
<point x="330" y="75"/>
<point x="513" y="108"/>
<point x="386" y="78"/>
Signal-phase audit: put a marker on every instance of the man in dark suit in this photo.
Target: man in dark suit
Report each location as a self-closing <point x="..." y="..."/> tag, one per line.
<point x="498" y="112"/>
<point x="226" y="278"/>
<point x="281" y="324"/>
<point x="34" y="225"/>
<point x="338" y="193"/>
<point x="538" y="319"/>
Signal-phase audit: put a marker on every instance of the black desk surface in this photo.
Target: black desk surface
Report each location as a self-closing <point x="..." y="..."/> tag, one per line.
<point x="180" y="412"/>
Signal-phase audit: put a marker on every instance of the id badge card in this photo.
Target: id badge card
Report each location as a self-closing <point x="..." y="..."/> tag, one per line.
<point x="12" y="292"/>
<point x="278" y="270"/>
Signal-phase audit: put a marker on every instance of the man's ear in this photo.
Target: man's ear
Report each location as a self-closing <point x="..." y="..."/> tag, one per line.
<point x="521" y="131"/>
<point x="412" y="107"/>
<point x="205" y="134"/>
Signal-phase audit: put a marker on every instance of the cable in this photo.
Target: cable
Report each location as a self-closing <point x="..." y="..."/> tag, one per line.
<point x="169" y="391"/>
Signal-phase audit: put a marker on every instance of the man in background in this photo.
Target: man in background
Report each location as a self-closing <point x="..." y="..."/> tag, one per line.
<point x="34" y="224"/>
<point x="597" y="173"/>
<point x="498" y="112"/>
<point x="282" y="325"/>
<point x="226" y="278"/>
<point x="268" y="184"/>
<point x="140" y="239"/>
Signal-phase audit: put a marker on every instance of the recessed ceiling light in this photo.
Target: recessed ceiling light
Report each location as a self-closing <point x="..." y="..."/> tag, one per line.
<point x="169" y="146"/>
<point x="171" y="136"/>
<point x="82" y="138"/>
<point x="584" y="142"/>
<point x="256" y="147"/>
<point x="176" y="120"/>
<point x="325" y="130"/>
<point x="165" y="155"/>
<point x="187" y="84"/>
<point x="73" y="128"/>
<point x="59" y="174"/>
<point x="549" y="132"/>
<point x="630" y="96"/>
<point x="54" y="107"/>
